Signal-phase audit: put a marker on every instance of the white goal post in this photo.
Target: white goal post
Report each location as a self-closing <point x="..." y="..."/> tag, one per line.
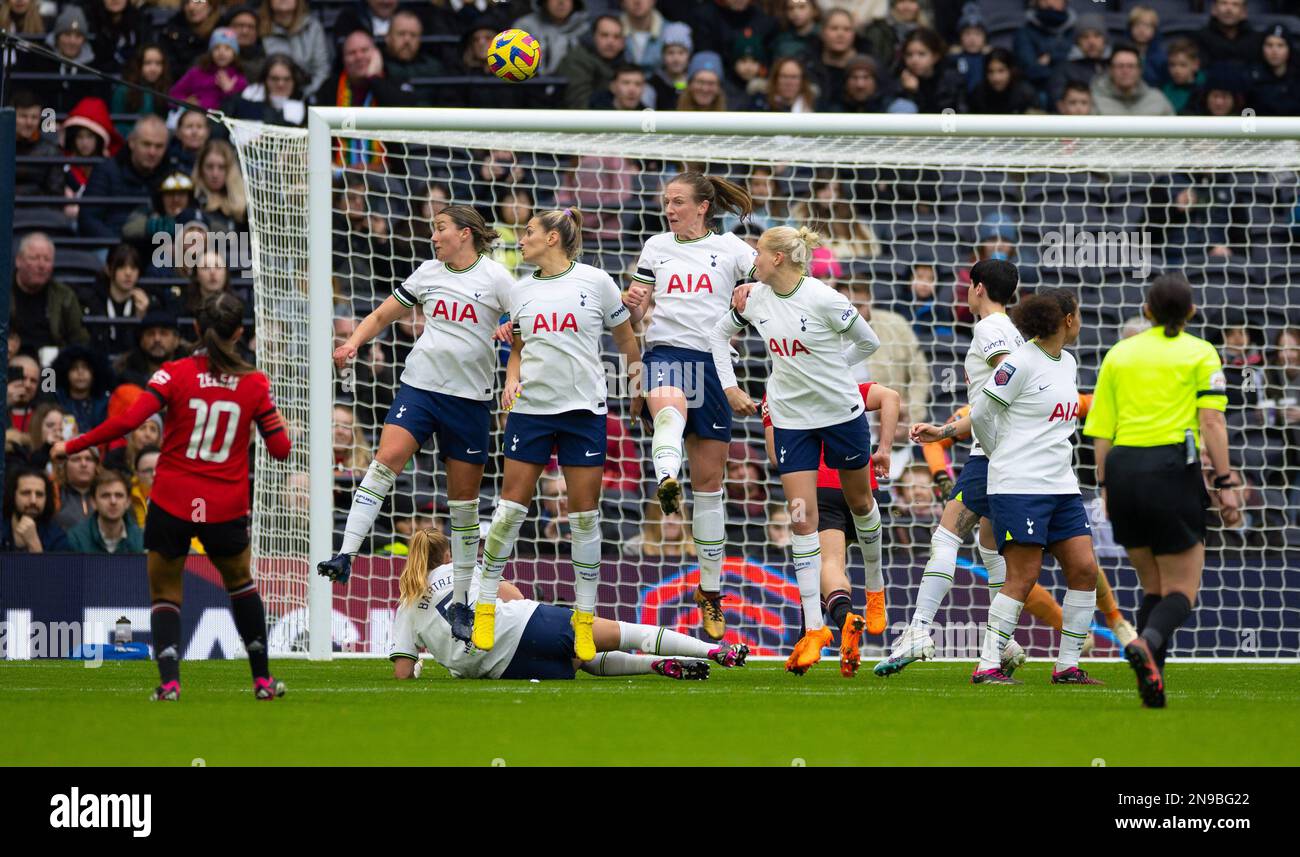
<point x="968" y="165"/>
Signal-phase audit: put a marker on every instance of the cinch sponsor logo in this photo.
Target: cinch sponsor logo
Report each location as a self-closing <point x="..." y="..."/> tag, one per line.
<point x="133" y="812"/>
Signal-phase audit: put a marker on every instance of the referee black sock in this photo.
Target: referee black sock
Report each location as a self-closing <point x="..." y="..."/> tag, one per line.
<point x="1148" y="604"/>
<point x="250" y="622"/>
<point x="838" y="607"/>
<point x="165" y="626"/>
<point x="1167" y="617"/>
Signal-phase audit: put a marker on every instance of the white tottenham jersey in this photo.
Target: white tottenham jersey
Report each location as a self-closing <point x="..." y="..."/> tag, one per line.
<point x="692" y="281"/>
<point x="462" y="308"/>
<point x="562" y="319"/>
<point x="424" y="624"/>
<point x="1039" y="403"/>
<point x="994" y="335"/>
<point x="811" y="385"/>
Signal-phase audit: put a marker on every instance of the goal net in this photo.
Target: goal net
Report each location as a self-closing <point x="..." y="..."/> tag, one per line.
<point x="904" y="216"/>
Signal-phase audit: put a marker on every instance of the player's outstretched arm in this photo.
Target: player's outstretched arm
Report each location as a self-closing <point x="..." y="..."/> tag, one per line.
<point x="121" y="425"/>
<point x="728" y="326"/>
<point x="371" y="326"/>
<point x="984" y="420"/>
<point x="890" y="404"/>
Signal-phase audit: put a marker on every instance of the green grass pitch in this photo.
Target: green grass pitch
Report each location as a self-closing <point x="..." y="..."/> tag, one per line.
<point x="351" y="712"/>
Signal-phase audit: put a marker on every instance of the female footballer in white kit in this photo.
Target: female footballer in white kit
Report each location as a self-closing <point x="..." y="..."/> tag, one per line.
<point x="1026" y="419"/>
<point x="555" y="394"/>
<point x="693" y="271"/>
<point x="815" y="406"/>
<point x="446" y="390"/>
<point x="534" y="641"/>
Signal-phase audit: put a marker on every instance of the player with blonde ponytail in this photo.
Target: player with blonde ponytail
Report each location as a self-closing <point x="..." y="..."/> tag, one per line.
<point x="533" y="641"/>
<point x="813" y="336"/>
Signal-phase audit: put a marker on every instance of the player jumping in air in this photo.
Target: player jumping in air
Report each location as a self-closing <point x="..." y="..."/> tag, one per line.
<point x="446" y="390"/>
<point x="834" y="526"/>
<point x="692" y="270"/>
<point x="817" y="410"/>
<point x="201" y="487"/>
<point x="533" y="641"/>
<point x="1026" y="417"/>
<point x="555" y="394"/>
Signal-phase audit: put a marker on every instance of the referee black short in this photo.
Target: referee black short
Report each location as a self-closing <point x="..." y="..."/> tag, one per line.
<point x="1155" y="499"/>
<point x="170" y="535"/>
<point x="833" y="513"/>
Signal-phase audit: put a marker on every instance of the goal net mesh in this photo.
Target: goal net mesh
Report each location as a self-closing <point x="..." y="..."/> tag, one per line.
<point x="903" y="219"/>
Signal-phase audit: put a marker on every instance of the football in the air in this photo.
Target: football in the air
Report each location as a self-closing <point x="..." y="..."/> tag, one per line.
<point x="514" y="55"/>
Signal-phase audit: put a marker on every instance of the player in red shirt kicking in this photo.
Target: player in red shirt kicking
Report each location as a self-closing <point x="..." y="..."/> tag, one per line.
<point x="201" y="487"/>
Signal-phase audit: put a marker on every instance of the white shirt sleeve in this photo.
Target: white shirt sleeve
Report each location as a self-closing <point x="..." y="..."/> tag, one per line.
<point x="731" y="323"/>
<point x="401" y="641"/>
<point x="645" y="271"/>
<point x="504" y="287"/>
<point x="845" y="319"/>
<point x="612" y="304"/>
<point x="989" y="342"/>
<point x="987" y="410"/>
<point x="744" y="261"/>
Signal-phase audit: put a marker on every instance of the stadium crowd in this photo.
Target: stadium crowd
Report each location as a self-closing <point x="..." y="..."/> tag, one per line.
<point x="104" y="169"/>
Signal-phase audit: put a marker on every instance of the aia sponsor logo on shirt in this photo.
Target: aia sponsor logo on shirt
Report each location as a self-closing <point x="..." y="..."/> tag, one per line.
<point x="1065" y="411"/>
<point x="786" y="347"/>
<point x="554" y="323"/>
<point x="1002" y="377"/>
<point x="454" y="311"/>
<point x="691" y="284"/>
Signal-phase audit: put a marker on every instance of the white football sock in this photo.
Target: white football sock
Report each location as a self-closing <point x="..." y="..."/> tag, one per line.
<point x="498" y="547"/>
<point x="936" y="580"/>
<point x="464" y="546"/>
<point x="619" y="663"/>
<point x="709" y="528"/>
<point x="584" y="529"/>
<point x="808" y="572"/>
<point x="654" y="640"/>
<point x="366" y="503"/>
<point x="1076" y="618"/>
<point x="1004" y="615"/>
<point x="666" y="446"/>
<point x="995" y="565"/>
<point x="868" y="527"/>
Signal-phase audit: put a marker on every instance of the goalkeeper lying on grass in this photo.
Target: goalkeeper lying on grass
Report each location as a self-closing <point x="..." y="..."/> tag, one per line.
<point x="533" y="641"/>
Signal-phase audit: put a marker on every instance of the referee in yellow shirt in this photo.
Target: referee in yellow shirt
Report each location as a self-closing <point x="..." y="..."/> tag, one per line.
<point x="1160" y="395"/>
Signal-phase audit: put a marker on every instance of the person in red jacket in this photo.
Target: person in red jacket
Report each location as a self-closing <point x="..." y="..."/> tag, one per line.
<point x="213" y="399"/>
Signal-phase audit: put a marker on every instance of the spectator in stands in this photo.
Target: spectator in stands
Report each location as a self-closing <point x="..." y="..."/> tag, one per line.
<point x="75" y="485"/>
<point x="788" y="89"/>
<point x="192" y="134"/>
<point x="589" y="65"/>
<point x="798" y="26"/>
<point x="866" y="92"/>
<point x="748" y="81"/>
<point x="899" y="363"/>
<point x="1183" y="76"/>
<point x="703" y="84"/>
<point x="210" y="277"/>
<point x="972" y="46"/>
<point x="1243" y="368"/>
<point x="746" y="490"/>
<point x="28" y="525"/>
<point x="21" y="16"/>
<point x="146" y="467"/>
<point x="669" y="80"/>
<point x="602" y="186"/>
<point x="1144" y="34"/>
<point x="362" y="83"/>
<point x="778" y="526"/>
<point x="34" y="179"/>
<point x="1003" y="90"/>
<point x="884" y="37"/>
<point x="147" y="67"/>
<point x="472" y="63"/>
<point x="558" y="25"/>
<point x="277" y="98"/>
<point x="81" y="384"/>
<point x="1089" y="57"/>
<point x="243" y="22"/>
<point x="626" y="91"/>
<point x="373" y="17"/>
<point x="1076" y="100"/>
<point x="661" y="536"/>
<point x="172" y="203"/>
<point x="1220" y="96"/>
<point x="428" y="201"/>
<point x="120" y="28"/>
<point x="1044" y="41"/>
<point x="1275" y="79"/>
<point x="643" y="27"/>
<point x="1284" y="378"/>
<point x="20" y="392"/>
<point x="44" y="311"/>
<point x="216" y="76"/>
<point x="552" y="512"/>
<point x="110" y="529"/>
<point x="129" y="176"/>
<point x="185" y="36"/>
<point x="1228" y="40"/>
<point x="219" y="187"/>
<point x="290" y="27"/>
<point x="46" y="428"/>
<point x="725" y="26"/>
<point x="148" y="433"/>
<point x="622" y="476"/>
<point x="87" y="133"/>
<point x="69" y="41"/>
<point x="838" y="48"/>
<point x="829" y="211"/>
<point x="926" y="80"/>
<point x="351" y="449"/>
<point x="760" y="185"/>
<point x="1134" y="325"/>
<point x="403" y="58"/>
<point x="157" y="341"/>
<point x="914" y="510"/>
<point x="1122" y="92"/>
<point x="931" y="317"/>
